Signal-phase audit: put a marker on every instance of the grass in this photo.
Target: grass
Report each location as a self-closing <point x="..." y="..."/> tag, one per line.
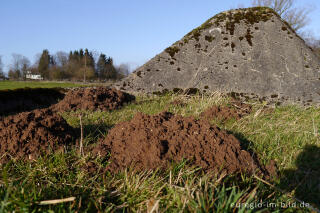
<point x="36" y="84"/>
<point x="287" y="134"/>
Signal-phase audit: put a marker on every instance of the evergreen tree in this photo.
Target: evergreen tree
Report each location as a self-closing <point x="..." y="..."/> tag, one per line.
<point x="87" y="65"/>
<point x="70" y="57"/>
<point x="101" y="66"/>
<point x="81" y="53"/>
<point x="44" y="64"/>
<point x="111" y="72"/>
<point x="77" y="65"/>
<point x="89" y="58"/>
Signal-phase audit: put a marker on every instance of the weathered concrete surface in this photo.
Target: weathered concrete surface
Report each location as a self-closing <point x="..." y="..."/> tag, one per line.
<point x="249" y="51"/>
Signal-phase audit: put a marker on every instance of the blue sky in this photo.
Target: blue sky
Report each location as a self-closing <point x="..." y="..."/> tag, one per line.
<point x="130" y="31"/>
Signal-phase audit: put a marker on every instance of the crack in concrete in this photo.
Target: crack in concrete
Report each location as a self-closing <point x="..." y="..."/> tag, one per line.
<point x="287" y="68"/>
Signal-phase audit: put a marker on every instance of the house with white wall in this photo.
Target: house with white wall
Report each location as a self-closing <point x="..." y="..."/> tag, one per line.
<point x="31" y="76"/>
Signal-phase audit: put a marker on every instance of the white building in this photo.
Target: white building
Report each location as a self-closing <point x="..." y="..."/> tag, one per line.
<point x="31" y="76"/>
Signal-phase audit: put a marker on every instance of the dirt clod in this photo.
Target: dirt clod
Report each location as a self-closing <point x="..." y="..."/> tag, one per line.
<point x="28" y="134"/>
<point x="150" y="142"/>
<point x="100" y="98"/>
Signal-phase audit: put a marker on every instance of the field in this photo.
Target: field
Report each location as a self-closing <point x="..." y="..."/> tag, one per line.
<point x="36" y="84"/>
<point x="287" y="134"/>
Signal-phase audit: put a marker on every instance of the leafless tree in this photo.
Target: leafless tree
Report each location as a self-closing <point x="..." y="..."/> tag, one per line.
<point x="95" y="55"/>
<point x="310" y="38"/>
<point x="15" y="65"/>
<point x="123" y="69"/>
<point x="25" y="63"/>
<point x="312" y="41"/>
<point x="297" y="18"/>
<point x="20" y="65"/>
<point x="61" y="58"/>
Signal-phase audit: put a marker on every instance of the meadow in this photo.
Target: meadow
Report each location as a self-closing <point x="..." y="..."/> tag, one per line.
<point x="37" y="84"/>
<point x="289" y="135"/>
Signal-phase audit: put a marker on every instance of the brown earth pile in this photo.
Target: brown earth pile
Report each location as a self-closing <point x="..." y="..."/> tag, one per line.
<point x="149" y="142"/>
<point x="28" y="134"/>
<point x="236" y="111"/>
<point x="26" y="99"/>
<point x="100" y="98"/>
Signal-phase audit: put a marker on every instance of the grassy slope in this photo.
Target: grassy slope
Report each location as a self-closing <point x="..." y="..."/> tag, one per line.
<point x="288" y="134"/>
<point x="35" y="84"/>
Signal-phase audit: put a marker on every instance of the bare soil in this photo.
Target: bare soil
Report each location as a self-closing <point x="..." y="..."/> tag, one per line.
<point x="27" y="99"/>
<point x="150" y="142"/>
<point x="100" y="98"/>
<point x="29" y="134"/>
<point x="236" y="111"/>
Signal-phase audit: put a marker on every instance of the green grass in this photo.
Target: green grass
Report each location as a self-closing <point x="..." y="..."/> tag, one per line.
<point x="288" y="134"/>
<point x="36" y="84"/>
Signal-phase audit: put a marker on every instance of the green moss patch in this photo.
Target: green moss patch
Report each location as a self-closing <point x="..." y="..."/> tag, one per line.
<point x="172" y="50"/>
<point x="249" y="37"/>
<point x="249" y="16"/>
<point x="209" y="38"/>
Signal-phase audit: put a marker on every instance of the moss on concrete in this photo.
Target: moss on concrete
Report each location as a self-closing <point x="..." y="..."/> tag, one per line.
<point x="231" y="18"/>
<point x="209" y="38"/>
<point x="172" y="50"/>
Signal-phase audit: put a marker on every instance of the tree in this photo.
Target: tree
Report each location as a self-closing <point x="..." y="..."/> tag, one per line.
<point x="73" y="66"/>
<point x="19" y="67"/>
<point x="297" y="18"/>
<point x="101" y="66"/>
<point x="44" y="64"/>
<point x="1" y="68"/>
<point x="105" y="68"/>
<point x="87" y="64"/>
<point x="61" y="58"/>
<point x="58" y="70"/>
<point x="312" y="41"/>
<point x="16" y="66"/>
<point x="13" y="74"/>
<point x="25" y="63"/>
<point x="88" y="73"/>
<point x="111" y="72"/>
<point x="123" y="69"/>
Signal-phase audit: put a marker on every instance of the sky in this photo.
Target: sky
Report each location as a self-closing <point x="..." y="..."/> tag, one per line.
<point x="129" y="31"/>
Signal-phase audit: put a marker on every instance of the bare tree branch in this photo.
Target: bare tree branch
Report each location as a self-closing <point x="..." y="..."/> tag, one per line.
<point x="297" y="18"/>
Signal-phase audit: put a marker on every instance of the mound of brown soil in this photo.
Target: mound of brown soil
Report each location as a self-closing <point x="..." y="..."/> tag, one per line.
<point x="100" y="98"/>
<point x="26" y="99"/>
<point x="28" y="134"/>
<point x="149" y="142"/>
<point x="224" y="113"/>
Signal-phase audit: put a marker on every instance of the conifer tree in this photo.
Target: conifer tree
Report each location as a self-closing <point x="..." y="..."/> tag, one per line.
<point x="111" y="72"/>
<point x="101" y="66"/>
<point x="44" y="64"/>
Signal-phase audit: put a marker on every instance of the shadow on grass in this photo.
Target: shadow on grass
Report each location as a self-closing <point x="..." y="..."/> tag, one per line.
<point x="305" y="180"/>
<point x="245" y="143"/>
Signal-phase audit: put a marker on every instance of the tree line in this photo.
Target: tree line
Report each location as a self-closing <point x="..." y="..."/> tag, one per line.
<point x="78" y="65"/>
